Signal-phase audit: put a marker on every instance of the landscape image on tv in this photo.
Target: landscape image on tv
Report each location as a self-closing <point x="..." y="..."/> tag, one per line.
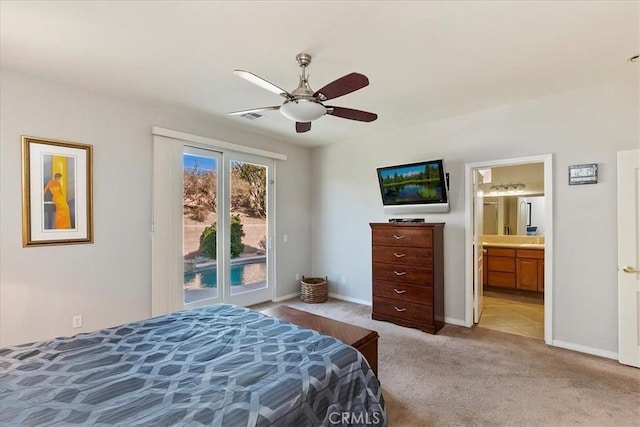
<point x="417" y="183"/>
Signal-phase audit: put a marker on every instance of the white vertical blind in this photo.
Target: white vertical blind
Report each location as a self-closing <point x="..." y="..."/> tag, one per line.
<point x="166" y="243"/>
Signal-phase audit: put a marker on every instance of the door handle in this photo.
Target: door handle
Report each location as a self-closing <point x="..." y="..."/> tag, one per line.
<point x="398" y="237"/>
<point x="399" y="292"/>
<point x="400" y="273"/>
<point x="629" y="269"/>
<point x="399" y="255"/>
<point x="399" y="310"/>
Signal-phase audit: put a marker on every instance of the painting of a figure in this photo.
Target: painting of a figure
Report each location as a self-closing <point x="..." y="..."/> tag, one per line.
<point x="58" y="192"/>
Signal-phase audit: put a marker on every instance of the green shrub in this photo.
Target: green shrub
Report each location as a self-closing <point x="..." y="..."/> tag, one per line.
<point x="237" y="233"/>
<point x="208" y="243"/>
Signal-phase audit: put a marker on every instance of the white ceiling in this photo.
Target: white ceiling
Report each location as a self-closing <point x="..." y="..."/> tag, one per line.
<point x="424" y="60"/>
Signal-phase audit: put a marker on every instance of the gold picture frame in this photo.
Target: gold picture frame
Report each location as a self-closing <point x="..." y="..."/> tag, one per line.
<point x="57" y="192"/>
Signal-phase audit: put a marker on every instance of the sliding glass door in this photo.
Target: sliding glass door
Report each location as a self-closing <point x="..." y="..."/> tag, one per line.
<point x="226" y="228"/>
<point x="249" y="237"/>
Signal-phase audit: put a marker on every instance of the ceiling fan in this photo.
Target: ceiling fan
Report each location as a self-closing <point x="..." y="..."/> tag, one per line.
<point x="303" y="105"/>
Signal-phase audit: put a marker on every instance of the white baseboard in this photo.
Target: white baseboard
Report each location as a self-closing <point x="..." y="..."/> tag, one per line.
<point x="585" y="349"/>
<point x="454" y="321"/>
<point x="349" y="299"/>
<point x="286" y="297"/>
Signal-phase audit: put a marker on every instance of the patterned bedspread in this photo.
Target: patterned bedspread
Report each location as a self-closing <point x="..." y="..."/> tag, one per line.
<point x="220" y="365"/>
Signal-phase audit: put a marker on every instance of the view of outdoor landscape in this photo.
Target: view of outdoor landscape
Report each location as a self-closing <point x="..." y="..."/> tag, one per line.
<point x="248" y="211"/>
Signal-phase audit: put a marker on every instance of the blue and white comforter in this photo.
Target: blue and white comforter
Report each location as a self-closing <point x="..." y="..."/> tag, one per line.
<point x="220" y="365"/>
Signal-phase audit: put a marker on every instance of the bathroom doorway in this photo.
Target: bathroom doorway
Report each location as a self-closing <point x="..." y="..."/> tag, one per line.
<point x="509" y="246"/>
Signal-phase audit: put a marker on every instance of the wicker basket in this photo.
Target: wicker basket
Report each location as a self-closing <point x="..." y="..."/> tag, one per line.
<point x="313" y="290"/>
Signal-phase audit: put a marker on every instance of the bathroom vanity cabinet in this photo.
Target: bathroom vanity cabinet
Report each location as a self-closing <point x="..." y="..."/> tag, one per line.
<point x="515" y="267"/>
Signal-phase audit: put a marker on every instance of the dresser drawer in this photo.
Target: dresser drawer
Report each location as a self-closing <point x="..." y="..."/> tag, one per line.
<point x="403" y="310"/>
<point x="396" y="255"/>
<point x="402" y="236"/>
<point x="403" y="273"/>
<point x="409" y="293"/>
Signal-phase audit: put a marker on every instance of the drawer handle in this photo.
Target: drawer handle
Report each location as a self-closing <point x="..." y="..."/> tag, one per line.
<point x="399" y="255"/>
<point x="400" y="310"/>
<point x="399" y="292"/>
<point x="398" y="237"/>
<point x="400" y="273"/>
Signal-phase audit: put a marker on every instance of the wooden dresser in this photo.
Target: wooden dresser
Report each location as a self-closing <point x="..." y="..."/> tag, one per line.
<point x="408" y="274"/>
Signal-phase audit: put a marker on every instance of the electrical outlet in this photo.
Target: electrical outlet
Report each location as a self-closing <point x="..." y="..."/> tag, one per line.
<point x="297" y="276"/>
<point x="343" y="280"/>
<point x="76" y="321"/>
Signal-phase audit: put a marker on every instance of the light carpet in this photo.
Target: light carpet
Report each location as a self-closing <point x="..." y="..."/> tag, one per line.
<point x="480" y="377"/>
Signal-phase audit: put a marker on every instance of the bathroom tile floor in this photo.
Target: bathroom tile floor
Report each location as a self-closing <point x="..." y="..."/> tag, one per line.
<point x="513" y="314"/>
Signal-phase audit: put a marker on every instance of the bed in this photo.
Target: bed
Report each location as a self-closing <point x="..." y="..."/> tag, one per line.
<point x="219" y="365"/>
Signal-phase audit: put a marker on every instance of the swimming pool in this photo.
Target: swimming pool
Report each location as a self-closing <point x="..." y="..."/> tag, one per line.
<point x="241" y="274"/>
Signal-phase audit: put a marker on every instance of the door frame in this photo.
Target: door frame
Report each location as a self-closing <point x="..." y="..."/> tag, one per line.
<point x="547" y="159"/>
<point x="478" y="252"/>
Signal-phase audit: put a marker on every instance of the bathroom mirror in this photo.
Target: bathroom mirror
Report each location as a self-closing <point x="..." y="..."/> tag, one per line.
<point x="514" y="215"/>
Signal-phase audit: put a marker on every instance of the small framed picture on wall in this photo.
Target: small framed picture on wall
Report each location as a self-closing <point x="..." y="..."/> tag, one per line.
<point x="583" y="174"/>
<point x="57" y="205"/>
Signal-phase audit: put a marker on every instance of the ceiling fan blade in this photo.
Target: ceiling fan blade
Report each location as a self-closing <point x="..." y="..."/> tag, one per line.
<point x="253" y="110"/>
<point x="351" y="114"/>
<point x="342" y="86"/>
<point x="303" y="127"/>
<point x="259" y="81"/>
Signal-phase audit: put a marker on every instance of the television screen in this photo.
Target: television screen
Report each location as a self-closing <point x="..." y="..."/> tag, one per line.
<point x="415" y="183"/>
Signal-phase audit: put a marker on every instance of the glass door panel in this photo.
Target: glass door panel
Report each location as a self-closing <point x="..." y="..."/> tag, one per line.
<point x="201" y="181"/>
<point x="249" y="230"/>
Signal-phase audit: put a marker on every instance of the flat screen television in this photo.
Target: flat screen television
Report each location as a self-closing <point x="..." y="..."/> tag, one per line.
<point x="414" y="188"/>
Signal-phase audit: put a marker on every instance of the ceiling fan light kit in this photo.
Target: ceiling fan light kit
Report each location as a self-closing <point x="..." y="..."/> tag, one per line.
<point x="303" y="110"/>
<point x="303" y="105"/>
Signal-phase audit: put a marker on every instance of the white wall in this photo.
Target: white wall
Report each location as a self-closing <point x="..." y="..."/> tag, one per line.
<point x="108" y="282"/>
<point x="582" y="126"/>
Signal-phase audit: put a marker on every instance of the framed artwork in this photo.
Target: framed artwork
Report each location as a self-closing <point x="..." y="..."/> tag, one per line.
<point x="583" y="174"/>
<point x="57" y="199"/>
